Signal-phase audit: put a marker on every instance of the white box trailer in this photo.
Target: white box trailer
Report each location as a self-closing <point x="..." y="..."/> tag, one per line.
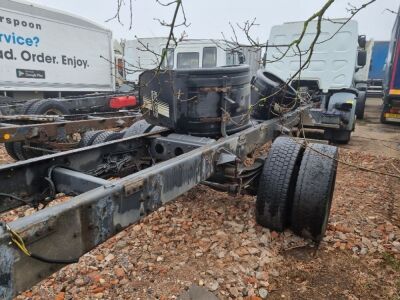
<point x="144" y="54"/>
<point x="45" y="50"/>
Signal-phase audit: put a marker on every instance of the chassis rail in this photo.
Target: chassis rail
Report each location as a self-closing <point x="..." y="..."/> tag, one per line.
<point x="89" y="103"/>
<point x="42" y="128"/>
<point x="102" y="208"/>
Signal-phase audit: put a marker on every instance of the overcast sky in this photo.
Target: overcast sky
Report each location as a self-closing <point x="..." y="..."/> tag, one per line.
<point x="209" y="18"/>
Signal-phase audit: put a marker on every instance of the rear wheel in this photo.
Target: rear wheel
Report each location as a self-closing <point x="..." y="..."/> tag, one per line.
<point x="314" y="191"/>
<point x="38" y="107"/>
<point x="360" y="105"/>
<point x="47" y="107"/>
<point x="4" y="100"/>
<point x="277" y="183"/>
<point x="105" y="136"/>
<point x="28" y="104"/>
<point x="10" y="150"/>
<point x="88" y="138"/>
<point x="140" y="127"/>
<point x="137" y="128"/>
<point x="114" y="136"/>
<point x="22" y="153"/>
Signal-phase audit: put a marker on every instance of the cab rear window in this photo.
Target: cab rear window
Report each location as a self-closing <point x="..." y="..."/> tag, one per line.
<point x="188" y="60"/>
<point x="209" y="57"/>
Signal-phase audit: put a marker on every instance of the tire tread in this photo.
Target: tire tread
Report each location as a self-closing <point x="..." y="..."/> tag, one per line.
<point x="277" y="181"/>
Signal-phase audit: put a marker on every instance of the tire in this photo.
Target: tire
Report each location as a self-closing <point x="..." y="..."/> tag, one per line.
<point x="360" y="105"/>
<point x="10" y="150"/>
<point x="22" y="153"/>
<point x="277" y="184"/>
<point x="339" y="136"/>
<point x="28" y="104"/>
<point x="101" y="137"/>
<point x="88" y="138"/>
<point x="268" y="96"/>
<point x="47" y="107"/>
<point x="35" y="107"/>
<point x="140" y="127"/>
<point x="5" y="100"/>
<point x="19" y="151"/>
<point x="114" y="136"/>
<point x="314" y="191"/>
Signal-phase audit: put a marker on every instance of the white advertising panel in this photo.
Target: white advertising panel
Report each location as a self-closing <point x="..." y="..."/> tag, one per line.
<point x="44" y="54"/>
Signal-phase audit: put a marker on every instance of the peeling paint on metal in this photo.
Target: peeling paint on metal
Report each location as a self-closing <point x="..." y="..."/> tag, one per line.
<point x="6" y="265"/>
<point x="102" y="219"/>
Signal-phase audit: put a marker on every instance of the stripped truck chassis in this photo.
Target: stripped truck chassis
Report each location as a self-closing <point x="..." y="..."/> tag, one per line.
<point x="101" y="208"/>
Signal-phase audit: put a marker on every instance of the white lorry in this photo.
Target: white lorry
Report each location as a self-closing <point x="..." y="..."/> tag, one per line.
<point x="329" y="78"/>
<point x="44" y="51"/>
<point x="144" y="53"/>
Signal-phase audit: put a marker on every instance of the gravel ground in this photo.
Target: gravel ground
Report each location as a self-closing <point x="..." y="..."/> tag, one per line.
<point x="211" y="239"/>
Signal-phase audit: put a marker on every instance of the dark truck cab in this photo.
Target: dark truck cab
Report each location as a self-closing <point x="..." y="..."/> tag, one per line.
<point x="391" y="97"/>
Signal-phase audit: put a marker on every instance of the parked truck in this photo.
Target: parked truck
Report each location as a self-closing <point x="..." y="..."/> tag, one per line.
<point x="376" y="67"/>
<point x="361" y="80"/>
<point x="44" y="52"/>
<point x="55" y="63"/>
<point x="144" y="54"/>
<point x="379" y="55"/>
<point x="327" y="81"/>
<point x="391" y="96"/>
<point x="49" y="54"/>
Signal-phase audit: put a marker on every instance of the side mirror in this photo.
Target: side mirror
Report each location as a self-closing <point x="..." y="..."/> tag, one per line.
<point x="362" y="58"/>
<point x="362" y="41"/>
<point x="242" y="58"/>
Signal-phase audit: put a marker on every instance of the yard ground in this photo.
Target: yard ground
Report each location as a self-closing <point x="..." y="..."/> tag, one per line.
<point x="372" y="136"/>
<point x="211" y="239"/>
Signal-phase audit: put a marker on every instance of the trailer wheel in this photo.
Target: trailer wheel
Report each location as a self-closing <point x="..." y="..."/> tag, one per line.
<point x="277" y="184"/>
<point x="47" y="107"/>
<point x="360" y="105"/>
<point x="314" y="191"/>
<point x="10" y="150"/>
<point x="88" y="138"/>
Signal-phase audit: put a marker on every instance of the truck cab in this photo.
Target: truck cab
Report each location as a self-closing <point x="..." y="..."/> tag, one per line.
<point x="145" y="54"/>
<point x="329" y="78"/>
<point x="391" y="92"/>
<point x="201" y="54"/>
